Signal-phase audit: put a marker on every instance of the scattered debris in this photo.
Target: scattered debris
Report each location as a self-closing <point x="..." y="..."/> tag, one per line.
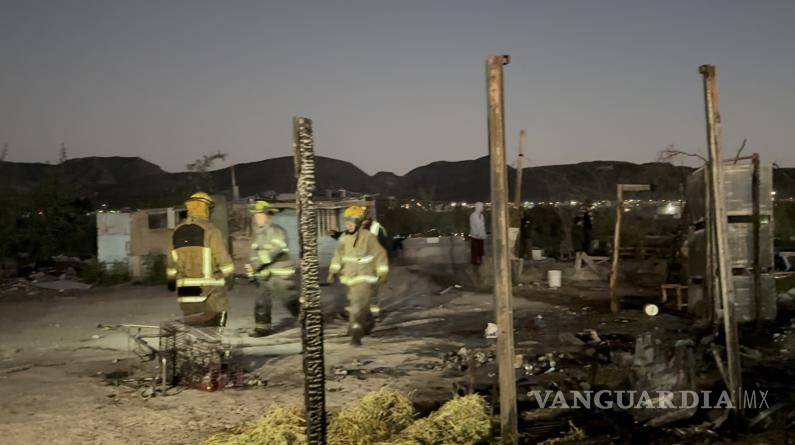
<point x="569" y="338"/>
<point x="651" y="310"/>
<point x="449" y="288"/>
<point x="575" y="435"/>
<point x="763" y="420"/>
<point x="61" y="285"/>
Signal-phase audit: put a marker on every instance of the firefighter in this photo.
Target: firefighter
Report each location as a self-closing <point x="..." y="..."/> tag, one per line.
<point x="199" y="265"/>
<point x="377" y="229"/>
<point x="361" y="263"/>
<point x="271" y="268"/>
<point x="370" y="224"/>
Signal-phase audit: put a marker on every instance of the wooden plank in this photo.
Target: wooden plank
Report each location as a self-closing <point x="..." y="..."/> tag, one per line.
<point x="501" y="250"/>
<point x="757" y="227"/>
<point x="723" y="263"/>
<point x="709" y="268"/>
<point x="615" y="304"/>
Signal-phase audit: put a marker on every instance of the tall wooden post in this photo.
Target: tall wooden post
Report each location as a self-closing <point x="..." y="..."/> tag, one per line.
<point x="757" y="227"/>
<point x="721" y="229"/>
<point x="312" y="315"/>
<point x="517" y="197"/>
<point x="501" y="250"/>
<point x="615" y="301"/>
<point x="615" y="304"/>
<point x="710" y="279"/>
<point x="235" y="188"/>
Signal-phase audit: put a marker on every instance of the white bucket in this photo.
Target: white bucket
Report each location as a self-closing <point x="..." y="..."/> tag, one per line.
<point x="554" y="278"/>
<point x="537" y="254"/>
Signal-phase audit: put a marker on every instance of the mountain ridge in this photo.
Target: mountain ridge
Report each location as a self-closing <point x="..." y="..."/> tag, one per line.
<point x="134" y="182"/>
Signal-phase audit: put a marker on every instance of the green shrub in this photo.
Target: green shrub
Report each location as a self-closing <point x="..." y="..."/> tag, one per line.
<point x="101" y="274"/>
<point x="154" y="269"/>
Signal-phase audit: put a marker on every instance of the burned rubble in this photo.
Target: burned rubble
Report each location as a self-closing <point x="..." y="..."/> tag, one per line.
<point x="465" y="302"/>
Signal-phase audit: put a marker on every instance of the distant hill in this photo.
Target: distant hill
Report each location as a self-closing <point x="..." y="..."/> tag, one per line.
<point x="81" y="173"/>
<point x="134" y="182"/>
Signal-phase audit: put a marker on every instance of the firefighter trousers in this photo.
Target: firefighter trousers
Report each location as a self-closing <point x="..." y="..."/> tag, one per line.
<point x="282" y="289"/>
<point x="359" y="297"/>
<point x="211" y="311"/>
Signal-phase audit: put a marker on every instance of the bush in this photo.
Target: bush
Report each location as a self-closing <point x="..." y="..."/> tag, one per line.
<point x="154" y="269"/>
<point x="101" y="274"/>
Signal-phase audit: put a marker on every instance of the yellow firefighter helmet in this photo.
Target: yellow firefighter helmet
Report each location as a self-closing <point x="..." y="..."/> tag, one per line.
<point x="354" y="212"/>
<point x="202" y="197"/>
<point x="261" y="206"/>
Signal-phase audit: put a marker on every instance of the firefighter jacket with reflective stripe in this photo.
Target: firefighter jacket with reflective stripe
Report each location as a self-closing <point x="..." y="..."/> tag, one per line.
<point x="198" y="259"/>
<point x="359" y="258"/>
<point x="270" y="255"/>
<point x="379" y="231"/>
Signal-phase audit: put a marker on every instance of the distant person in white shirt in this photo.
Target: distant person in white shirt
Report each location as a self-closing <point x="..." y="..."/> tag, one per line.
<point x="477" y="234"/>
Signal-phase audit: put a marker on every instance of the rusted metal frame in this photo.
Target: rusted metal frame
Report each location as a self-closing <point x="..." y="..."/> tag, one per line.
<point x="723" y="263"/>
<point x="311" y="313"/>
<point x="501" y="250"/>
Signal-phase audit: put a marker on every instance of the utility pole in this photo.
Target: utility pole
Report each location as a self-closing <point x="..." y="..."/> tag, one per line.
<point x="517" y="197"/>
<point x="721" y="229"/>
<point x="312" y="315"/>
<point x="501" y="249"/>
<point x="615" y="302"/>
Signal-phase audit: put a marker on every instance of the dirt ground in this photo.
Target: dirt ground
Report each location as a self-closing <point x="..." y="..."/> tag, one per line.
<point x="55" y="359"/>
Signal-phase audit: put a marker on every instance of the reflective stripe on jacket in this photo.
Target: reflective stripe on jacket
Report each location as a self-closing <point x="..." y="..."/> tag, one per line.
<point x="198" y="258"/>
<point x="359" y="258"/>
<point x="270" y="254"/>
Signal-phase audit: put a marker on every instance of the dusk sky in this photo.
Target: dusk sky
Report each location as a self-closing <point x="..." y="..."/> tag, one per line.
<point x="390" y="85"/>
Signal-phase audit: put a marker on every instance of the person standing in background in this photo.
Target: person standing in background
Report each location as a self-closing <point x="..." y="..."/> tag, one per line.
<point x="477" y="234"/>
<point x="584" y="223"/>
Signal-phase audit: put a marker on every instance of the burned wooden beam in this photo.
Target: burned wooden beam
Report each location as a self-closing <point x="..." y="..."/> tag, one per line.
<point x="501" y="249"/>
<point x="725" y="281"/>
<point x="311" y="314"/>
<point x="615" y="303"/>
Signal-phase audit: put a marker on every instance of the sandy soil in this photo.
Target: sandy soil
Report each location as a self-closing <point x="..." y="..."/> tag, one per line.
<point x="53" y="356"/>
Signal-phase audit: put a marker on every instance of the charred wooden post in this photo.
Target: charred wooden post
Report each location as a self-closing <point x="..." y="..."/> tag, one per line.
<point x="311" y="314"/>
<point x="615" y="304"/>
<point x="757" y="228"/>
<point x="615" y="301"/>
<point x="722" y="262"/>
<point x="501" y="249"/>
<point x="710" y="278"/>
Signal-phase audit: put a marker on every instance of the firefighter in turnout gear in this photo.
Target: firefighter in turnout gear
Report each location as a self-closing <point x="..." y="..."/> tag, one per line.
<point x="199" y="265"/>
<point x="362" y="265"/>
<point x="271" y="268"/>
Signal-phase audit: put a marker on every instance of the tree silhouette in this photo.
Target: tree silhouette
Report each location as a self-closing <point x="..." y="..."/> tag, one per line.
<point x="199" y="172"/>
